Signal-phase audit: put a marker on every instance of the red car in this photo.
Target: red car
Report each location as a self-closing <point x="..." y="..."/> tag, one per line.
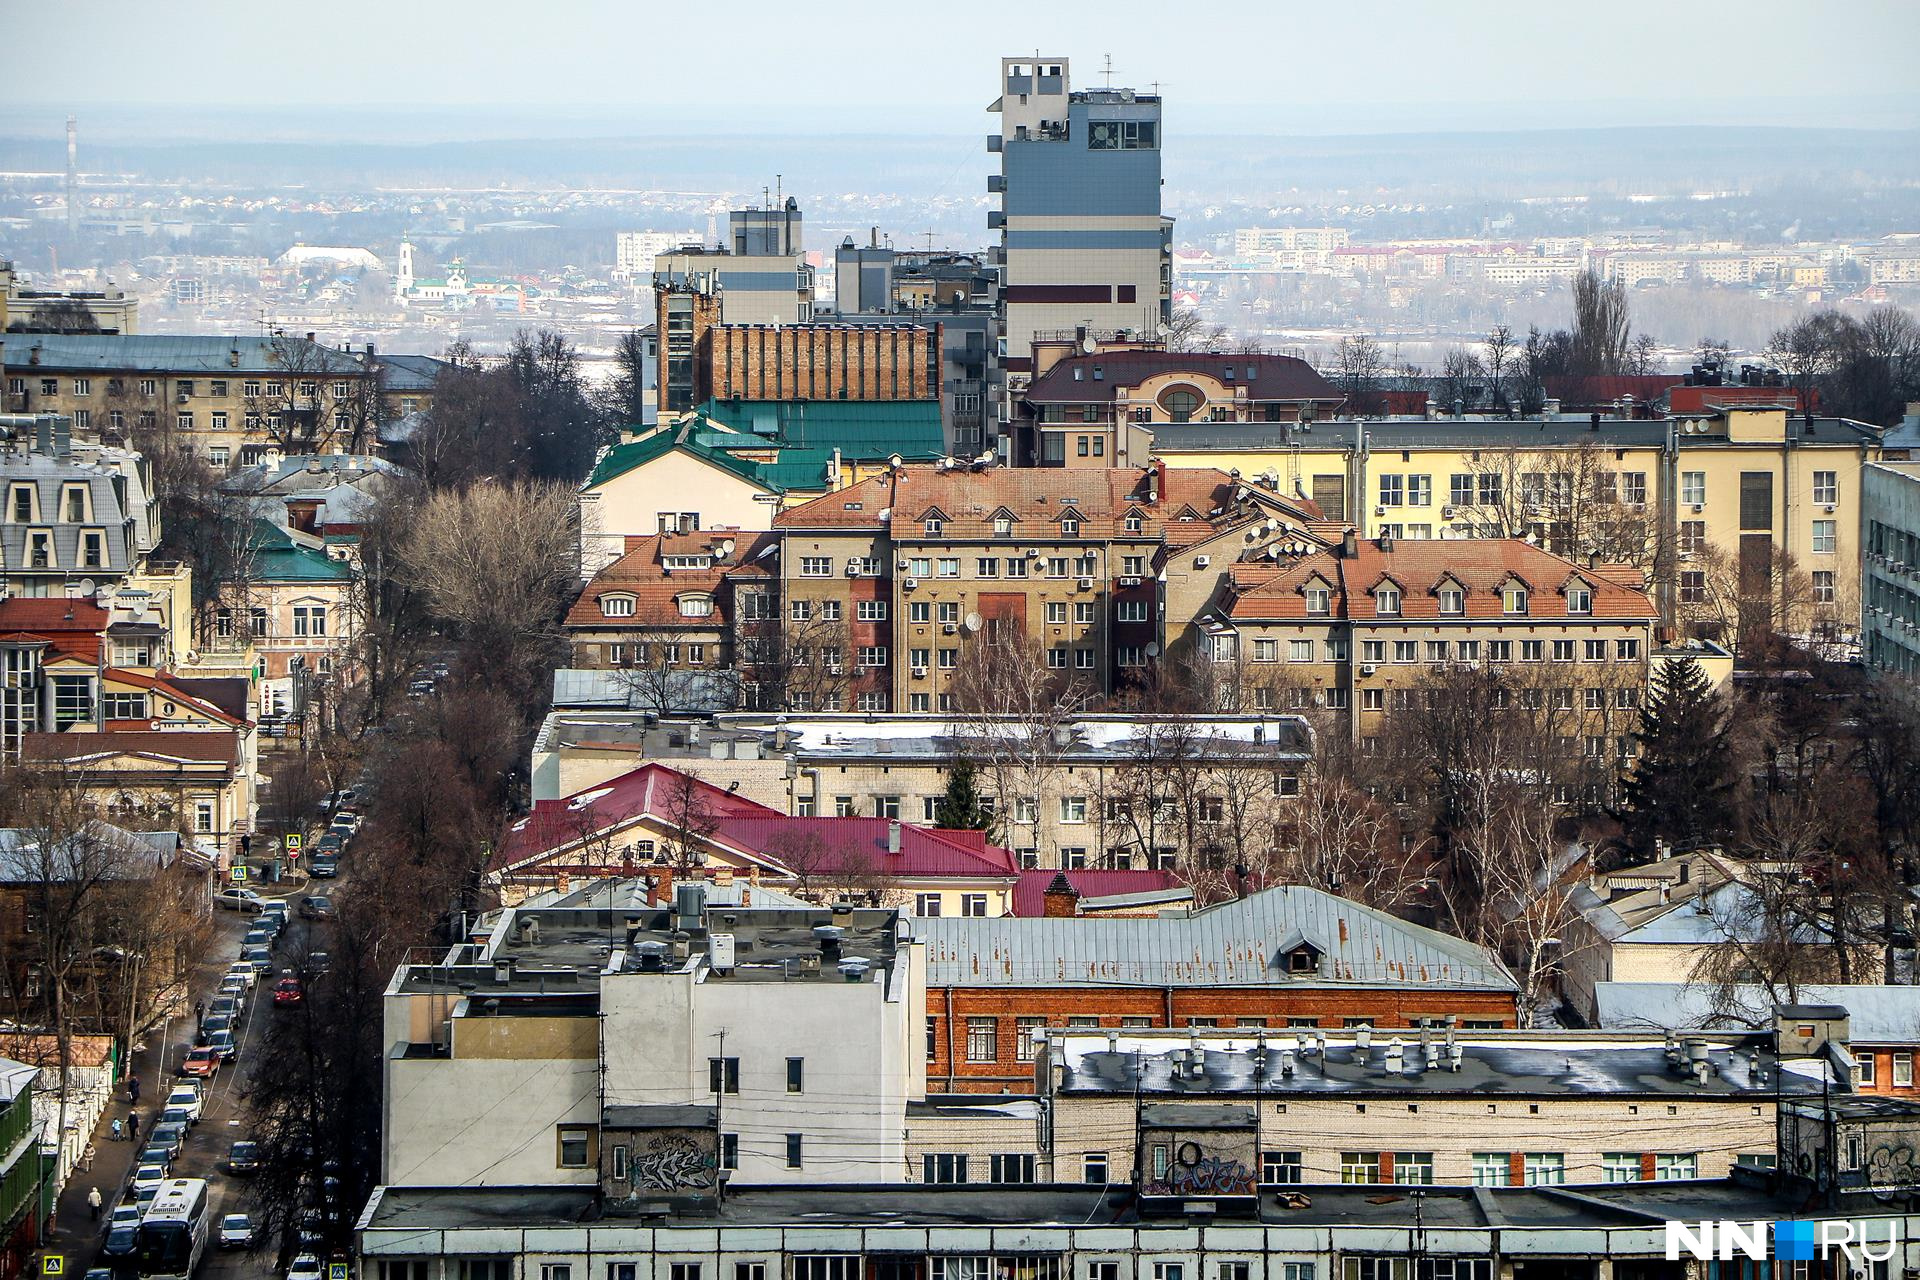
<point x="203" y="1062"/>
<point x="287" y="991"/>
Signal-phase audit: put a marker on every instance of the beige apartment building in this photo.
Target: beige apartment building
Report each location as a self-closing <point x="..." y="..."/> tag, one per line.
<point x="227" y="398"/>
<point x="1742" y="500"/>
<point x="1359" y="632"/>
<point x="906" y="568"/>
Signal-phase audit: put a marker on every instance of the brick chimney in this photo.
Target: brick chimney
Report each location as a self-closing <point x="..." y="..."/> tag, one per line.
<point x="1061" y="898"/>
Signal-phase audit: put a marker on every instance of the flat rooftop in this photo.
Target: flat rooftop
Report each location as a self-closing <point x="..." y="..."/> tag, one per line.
<point x="1643" y="1206"/>
<point x="554" y="950"/>
<point x="1530" y="1064"/>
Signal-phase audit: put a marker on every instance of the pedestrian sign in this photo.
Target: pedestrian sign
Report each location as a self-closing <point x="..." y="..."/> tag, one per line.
<point x="238" y="873"/>
<point x="294" y="841"/>
<point x="336" y="1271"/>
<point x="53" y="1264"/>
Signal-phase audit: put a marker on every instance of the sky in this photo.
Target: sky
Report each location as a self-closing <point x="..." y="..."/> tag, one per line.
<point x="484" y="68"/>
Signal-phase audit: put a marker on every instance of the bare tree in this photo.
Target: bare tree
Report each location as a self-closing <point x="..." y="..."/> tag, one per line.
<point x="297" y="407"/>
<point x="690" y="820"/>
<point x="1501" y="351"/>
<point x="1014" y="714"/>
<point x="1460" y="376"/>
<point x="1347" y="842"/>
<point x="1600" y="327"/>
<point x="1189" y="331"/>
<point x="1358" y="365"/>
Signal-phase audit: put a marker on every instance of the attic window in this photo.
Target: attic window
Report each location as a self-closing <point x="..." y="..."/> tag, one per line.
<point x="852" y="506"/>
<point x="1513" y="598"/>
<point x="1229" y="373"/>
<point x="1453" y="601"/>
<point x="1386" y="598"/>
<point x="1579" y="598"/>
<point x="934" y="525"/>
<point x="617" y="606"/>
<point x="1002" y="526"/>
<point x="1133" y="522"/>
<point x="1069" y="526"/>
<point x="1302" y="960"/>
<point x="1099" y="374"/>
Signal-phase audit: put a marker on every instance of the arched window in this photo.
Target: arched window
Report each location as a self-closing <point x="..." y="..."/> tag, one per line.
<point x="1181" y="404"/>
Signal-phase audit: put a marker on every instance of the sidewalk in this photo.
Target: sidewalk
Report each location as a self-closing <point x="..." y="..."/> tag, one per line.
<point x="75" y="1235"/>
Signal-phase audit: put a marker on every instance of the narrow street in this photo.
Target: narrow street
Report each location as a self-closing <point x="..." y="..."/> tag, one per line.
<point x="76" y="1237"/>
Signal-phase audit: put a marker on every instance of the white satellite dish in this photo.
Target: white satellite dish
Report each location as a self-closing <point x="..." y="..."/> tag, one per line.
<point x="1153" y="648"/>
<point x="972" y="623"/>
<point x="88" y="586"/>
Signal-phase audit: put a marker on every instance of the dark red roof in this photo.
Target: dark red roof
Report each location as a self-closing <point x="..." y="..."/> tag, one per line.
<point x="1274" y="377"/>
<point x="751" y="828"/>
<point x="1030" y="892"/>
<point x="179" y="744"/>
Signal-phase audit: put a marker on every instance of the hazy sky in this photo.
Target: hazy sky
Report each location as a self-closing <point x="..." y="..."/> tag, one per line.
<point x="1272" y="66"/>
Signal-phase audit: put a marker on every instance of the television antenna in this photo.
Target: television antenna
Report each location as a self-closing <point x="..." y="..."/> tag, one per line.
<point x="1106" y="71"/>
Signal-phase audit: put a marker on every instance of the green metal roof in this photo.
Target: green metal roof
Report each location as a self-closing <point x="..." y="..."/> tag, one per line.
<point x="863" y="430"/>
<point x="623" y="458"/>
<point x="278" y="558"/>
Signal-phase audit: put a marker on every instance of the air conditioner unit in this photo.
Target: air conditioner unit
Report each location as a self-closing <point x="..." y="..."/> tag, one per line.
<point x="1367" y="669"/>
<point x="1201" y="562"/>
<point x="919" y="672"/>
<point x="1086" y="584"/>
<point x="1033" y="553"/>
<point x="1830" y="508"/>
<point x="910" y="584"/>
<point x="1379" y="511"/>
<point x="949" y="629"/>
<point x="1446" y="513"/>
<point x="900" y="564"/>
<point x="1129" y="581"/>
<point x="853" y="568"/>
<point x="1698" y="507"/>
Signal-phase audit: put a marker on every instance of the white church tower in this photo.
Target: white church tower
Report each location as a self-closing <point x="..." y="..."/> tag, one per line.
<point x="403" y="279"/>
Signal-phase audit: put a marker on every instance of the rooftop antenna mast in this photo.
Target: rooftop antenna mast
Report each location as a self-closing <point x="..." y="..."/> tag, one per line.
<point x="1107" y="70"/>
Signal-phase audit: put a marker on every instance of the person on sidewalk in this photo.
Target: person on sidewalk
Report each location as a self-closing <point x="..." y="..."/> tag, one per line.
<point x="93" y="1202"/>
<point x="133" y="1090"/>
<point x="133" y="1126"/>
<point x="119" y="1129"/>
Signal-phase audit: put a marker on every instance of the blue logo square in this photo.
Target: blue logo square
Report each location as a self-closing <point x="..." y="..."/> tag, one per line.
<point x="1793" y="1240"/>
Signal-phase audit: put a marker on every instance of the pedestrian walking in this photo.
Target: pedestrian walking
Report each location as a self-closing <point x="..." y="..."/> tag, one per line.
<point x="133" y="1090"/>
<point x="93" y="1202"/>
<point x="133" y="1126"/>
<point x="119" y="1130"/>
<point x="199" y="1012"/>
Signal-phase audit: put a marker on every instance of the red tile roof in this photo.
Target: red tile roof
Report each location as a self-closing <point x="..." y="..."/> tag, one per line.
<point x="1036" y="499"/>
<point x="749" y="828"/>
<point x="1480" y="566"/>
<point x="199" y="745"/>
<point x="656" y="589"/>
<point x="166" y="688"/>
<point x="69" y="627"/>
<point x="1274" y="378"/>
<point x="1030" y="892"/>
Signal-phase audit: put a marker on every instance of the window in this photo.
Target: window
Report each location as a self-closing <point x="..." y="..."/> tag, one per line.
<point x="575" y="1145"/>
<point x="933" y="526"/>
<point x="126" y="706"/>
<point x="1544" y="1169"/>
<point x="1069" y="527"/>
<point x="1386" y="600"/>
<point x="1903" y="1070"/>
<point x="1392" y="491"/>
<point x="1563" y="650"/>
<point x="1633" y="487"/>
<point x="1011" y="1167"/>
<point x="872" y="655"/>
<point x="1453" y="601"/>
<point x="1532" y="650"/>
<point x="93" y="549"/>
<point x="948" y="566"/>
<point x="72" y="700"/>
<point x="1436" y="651"/>
<point x="1579" y="598"/>
<point x="83" y="386"/>
<point x="696" y="606"/>
<point x="1016" y="567"/>
<point x="1093" y="1168"/>
<point x="1057" y="657"/>
<point x="943" y="1168"/>
<point x="723" y="1075"/>
<point x="974" y="905"/>
<point x="203" y="817"/>
<point x="1130" y="611"/>
<point x="816" y="566"/>
<point x="1620" y="1166"/>
<point x="983" y="1039"/>
<point x="1280" y="1168"/>
<point x="1671" y="1166"/>
<point x="1693" y="586"/>
<point x="1299" y="651"/>
<point x="1513" y="598"/>
<point x="1693" y="487"/>
<point x="1826" y="487"/>
<point x="794" y="1160"/>
<point x="1865" y="1068"/>
<point x="1319" y="600"/>
<point x="1359" y="1166"/>
<point x="1492" y="1169"/>
<point x="680" y="1271"/>
<point x="1406" y="651"/>
<point x="1419" y="491"/>
<point x="1413" y="1167"/>
<point x="1825" y="536"/>
<point x="1056" y="613"/>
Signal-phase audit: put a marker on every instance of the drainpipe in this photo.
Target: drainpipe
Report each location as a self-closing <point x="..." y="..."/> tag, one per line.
<point x="950" y="1059"/>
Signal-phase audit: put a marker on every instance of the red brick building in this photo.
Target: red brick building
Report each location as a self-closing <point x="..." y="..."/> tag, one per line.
<point x="1289" y="956"/>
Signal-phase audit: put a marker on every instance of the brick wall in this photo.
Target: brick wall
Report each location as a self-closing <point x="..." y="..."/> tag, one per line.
<point x="948" y="1009"/>
<point x="822" y="362"/>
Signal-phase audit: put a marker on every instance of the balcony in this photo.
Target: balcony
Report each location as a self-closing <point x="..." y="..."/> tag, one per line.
<point x="993" y="144"/>
<point x="996" y="184"/>
<point x="996" y="219"/>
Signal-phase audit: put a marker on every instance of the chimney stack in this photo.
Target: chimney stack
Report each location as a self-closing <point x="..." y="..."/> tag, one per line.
<point x="1061" y="899"/>
<point x="893" y="836"/>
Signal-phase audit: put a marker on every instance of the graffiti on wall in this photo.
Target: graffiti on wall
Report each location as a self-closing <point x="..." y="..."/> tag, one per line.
<point x="672" y="1162"/>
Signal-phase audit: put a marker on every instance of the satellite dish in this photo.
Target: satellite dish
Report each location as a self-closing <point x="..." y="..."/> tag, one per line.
<point x="1153" y="648"/>
<point x="88" y="586"/>
<point x="1088" y="346"/>
<point x="972" y="623"/>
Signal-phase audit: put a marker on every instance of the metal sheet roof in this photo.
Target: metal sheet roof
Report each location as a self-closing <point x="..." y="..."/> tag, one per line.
<point x="1232" y="944"/>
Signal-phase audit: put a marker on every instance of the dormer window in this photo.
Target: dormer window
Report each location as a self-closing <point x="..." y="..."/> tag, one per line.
<point x="1069" y="526"/>
<point x="93" y="549"/>
<point x="617" y="606"/>
<point x="695" y="606"/>
<point x="1386" y="599"/>
<point x="1513" y="598"/>
<point x="73" y="504"/>
<point x="1579" y="598"/>
<point x="1002" y="526"/>
<point x="1319" y="599"/>
<point x="1302" y="960"/>
<point x="1134" y="522"/>
<point x="1453" y="600"/>
<point x="20" y="504"/>
<point x="933" y="526"/>
<point x="40" y="549"/>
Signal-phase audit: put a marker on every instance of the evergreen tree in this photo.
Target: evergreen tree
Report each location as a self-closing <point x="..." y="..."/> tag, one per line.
<point x="960" y="808"/>
<point x="1684" y="781"/>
